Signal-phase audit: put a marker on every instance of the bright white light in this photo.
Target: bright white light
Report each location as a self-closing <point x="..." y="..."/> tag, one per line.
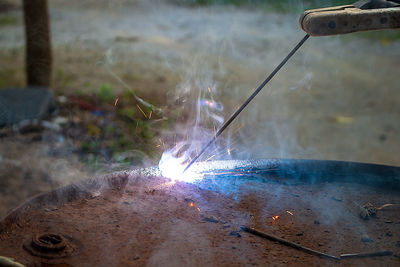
<point x="173" y="167"/>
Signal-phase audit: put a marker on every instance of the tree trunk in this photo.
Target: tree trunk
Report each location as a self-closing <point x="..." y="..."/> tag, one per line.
<point x="38" y="46"/>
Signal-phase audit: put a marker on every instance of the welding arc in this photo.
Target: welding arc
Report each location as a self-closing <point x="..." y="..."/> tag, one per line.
<point x="240" y="109"/>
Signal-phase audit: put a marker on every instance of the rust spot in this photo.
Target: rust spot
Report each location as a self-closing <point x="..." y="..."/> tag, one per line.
<point x="48" y="242"/>
<point x="50" y="246"/>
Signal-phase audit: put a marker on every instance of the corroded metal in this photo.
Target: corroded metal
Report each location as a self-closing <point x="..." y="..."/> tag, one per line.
<point x="137" y="218"/>
<point x="50" y="246"/>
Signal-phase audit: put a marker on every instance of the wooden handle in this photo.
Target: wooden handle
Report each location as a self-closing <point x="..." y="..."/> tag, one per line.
<point x="348" y="19"/>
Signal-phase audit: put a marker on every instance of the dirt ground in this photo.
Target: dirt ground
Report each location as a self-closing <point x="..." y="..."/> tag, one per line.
<point x="337" y="99"/>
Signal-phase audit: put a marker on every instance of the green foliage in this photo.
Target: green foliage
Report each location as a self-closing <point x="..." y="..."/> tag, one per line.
<point x="224" y="2"/>
<point x="106" y="93"/>
<point x="63" y="79"/>
<point x="273" y="5"/>
<point x="123" y="143"/>
<point x="8" y="78"/>
<point x="298" y="6"/>
<point x="127" y="112"/>
<point x="135" y="157"/>
<point x="110" y="129"/>
<point x="145" y="130"/>
<point x="87" y="84"/>
<point x="8" y="21"/>
<point x="86" y="146"/>
<point x="90" y="146"/>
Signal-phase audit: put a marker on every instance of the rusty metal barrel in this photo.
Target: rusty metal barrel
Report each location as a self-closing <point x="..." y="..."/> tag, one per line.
<point x="138" y="217"/>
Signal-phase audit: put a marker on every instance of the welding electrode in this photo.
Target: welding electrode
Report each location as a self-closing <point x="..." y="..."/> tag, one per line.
<point x="240" y="109"/>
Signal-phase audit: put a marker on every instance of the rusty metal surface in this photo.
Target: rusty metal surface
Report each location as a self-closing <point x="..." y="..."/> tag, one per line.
<point x="135" y="219"/>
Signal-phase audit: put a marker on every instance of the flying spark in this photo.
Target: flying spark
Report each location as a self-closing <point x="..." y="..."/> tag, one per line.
<point x="161" y="143"/>
<point x="289" y="212"/>
<point x="116" y="101"/>
<point x="276" y="217"/>
<point x="210" y="157"/>
<point x="175" y="140"/>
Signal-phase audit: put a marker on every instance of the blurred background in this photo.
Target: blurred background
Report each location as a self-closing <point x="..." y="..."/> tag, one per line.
<point x="129" y="78"/>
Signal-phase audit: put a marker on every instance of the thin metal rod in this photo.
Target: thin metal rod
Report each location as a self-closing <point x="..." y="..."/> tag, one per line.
<point x="287" y="243"/>
<point x="240" y="109"/>
<point x="368" y="254"/>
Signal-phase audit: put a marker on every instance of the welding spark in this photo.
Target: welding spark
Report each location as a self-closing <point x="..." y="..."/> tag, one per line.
<point x="229" y="152"/>
<point x="276" y="217"/>
<point x="219" y="153"/>
<point x="289" y="212"/>
<point x="172" y="167"/>
<point x="191" y="204"/>
<point x="210" y="158"/>
<point x="144" y="114"/>
<point x="161" y="143"/>
<point x="211" y="104"/>
<point x="116" y="101"/>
